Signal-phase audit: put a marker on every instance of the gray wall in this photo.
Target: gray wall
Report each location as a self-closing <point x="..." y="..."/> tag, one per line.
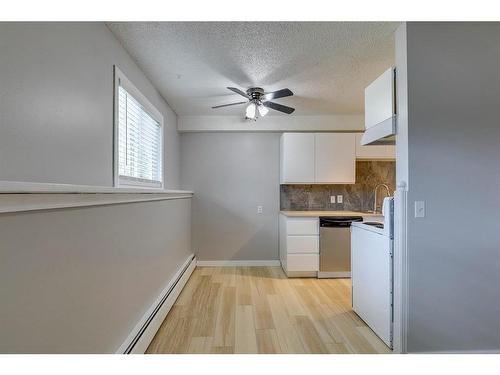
<point x="233" y="173"/>
<point x="79" y="280"/>
<point x="454" y="158"/>
<point x="56" y="104"/>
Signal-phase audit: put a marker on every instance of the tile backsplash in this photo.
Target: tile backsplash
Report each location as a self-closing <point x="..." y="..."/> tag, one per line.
<point x="356" y="197"/>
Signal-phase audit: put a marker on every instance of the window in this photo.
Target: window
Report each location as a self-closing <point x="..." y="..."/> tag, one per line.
<point x="138" y="137"/>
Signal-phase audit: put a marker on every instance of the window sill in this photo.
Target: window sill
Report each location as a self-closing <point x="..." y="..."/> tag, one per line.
<point x="26" y="196"/>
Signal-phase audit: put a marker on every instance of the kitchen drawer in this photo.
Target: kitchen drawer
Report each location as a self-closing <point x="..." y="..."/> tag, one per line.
<point x="302" y="226"/>
<point x="302" y="262"/>
<point x="302" y="244"/>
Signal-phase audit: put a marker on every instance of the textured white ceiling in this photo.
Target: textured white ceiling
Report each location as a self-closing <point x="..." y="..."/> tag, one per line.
<point x="326" y="64"/>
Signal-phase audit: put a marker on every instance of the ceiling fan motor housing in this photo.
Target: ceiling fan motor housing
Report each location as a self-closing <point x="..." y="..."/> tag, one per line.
<point x="255" y="92"/>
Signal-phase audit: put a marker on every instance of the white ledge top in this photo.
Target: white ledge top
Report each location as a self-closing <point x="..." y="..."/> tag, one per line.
<point x="18" y="187"/>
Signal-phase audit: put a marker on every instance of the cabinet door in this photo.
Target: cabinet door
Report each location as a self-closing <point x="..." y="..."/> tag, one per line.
<point x="379" y="99"/>
<point x="297" y="158"/>
<point x="373" y="152"/>
<point x="335" y="158"/>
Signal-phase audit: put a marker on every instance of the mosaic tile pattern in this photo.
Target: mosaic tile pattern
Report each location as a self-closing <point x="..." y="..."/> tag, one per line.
<point x="356" y="197"/>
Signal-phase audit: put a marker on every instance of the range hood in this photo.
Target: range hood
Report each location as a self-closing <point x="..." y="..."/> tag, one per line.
<point x="380" y="110"/>
<point x="383" y="133"/>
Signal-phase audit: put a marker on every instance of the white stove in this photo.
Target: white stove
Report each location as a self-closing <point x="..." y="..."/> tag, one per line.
<point x="371" y="272"/>
<point x="384" y="227"/>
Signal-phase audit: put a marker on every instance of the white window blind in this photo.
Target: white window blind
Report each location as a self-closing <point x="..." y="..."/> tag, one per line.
<point x="139" y="143"/>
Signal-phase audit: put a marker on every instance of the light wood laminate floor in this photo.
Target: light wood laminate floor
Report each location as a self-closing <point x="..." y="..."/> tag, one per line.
<point x="259" y="310"/>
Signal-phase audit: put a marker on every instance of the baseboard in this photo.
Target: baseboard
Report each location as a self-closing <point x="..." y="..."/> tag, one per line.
<point x="308" y="274"/>
<point x="333" y="275"/>
<point x="487" y="351"/>
<point x="143" y="333"/>
<point x="238" y="263"/>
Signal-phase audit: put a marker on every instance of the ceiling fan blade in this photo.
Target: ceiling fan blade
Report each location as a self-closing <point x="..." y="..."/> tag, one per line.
<point x="277" y="94"/>
<point x="279" y="107"/>
<point x="227" y="105"/>
<point x="238" y="91"/>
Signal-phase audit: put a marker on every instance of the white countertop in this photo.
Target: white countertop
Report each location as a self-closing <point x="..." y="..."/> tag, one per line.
<point x="328" y="213"/>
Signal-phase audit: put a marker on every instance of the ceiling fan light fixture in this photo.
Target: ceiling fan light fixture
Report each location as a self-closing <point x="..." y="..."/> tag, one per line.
<point x="259" y="100"/>
<point x="263" y="110"/>
<point x="251" y="111"/>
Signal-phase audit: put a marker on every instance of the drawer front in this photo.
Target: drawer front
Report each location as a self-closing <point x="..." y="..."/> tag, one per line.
<point x="302" y="244"/>
<point x="302" y="262"/>
<point x="302" y="226"/>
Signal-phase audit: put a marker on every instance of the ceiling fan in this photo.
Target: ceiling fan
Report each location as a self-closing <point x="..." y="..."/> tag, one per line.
<point x="259" y="101"/>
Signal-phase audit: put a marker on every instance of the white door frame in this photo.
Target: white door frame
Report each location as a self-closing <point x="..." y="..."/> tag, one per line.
<point x="400" y="256"/>
<point x="400" y="270"/>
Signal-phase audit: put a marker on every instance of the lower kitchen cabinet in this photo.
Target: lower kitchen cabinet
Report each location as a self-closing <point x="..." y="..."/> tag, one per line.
<point x="300" y="264"/>
<point x="299" y="245"/>
<point x="302" y="244"/>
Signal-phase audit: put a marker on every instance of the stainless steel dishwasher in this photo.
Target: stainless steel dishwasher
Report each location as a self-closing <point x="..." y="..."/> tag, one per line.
<point x="335" y="246"/>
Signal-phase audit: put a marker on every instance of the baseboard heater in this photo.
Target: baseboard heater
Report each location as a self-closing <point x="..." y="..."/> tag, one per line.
<point x="151" y="321"/>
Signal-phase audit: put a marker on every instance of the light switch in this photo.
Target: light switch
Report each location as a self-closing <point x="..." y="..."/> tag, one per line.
<point x="339" y="198"/>
<point x="332" y="198"/>
<point x="419" y="209"/>
<point x="259" y="209"/>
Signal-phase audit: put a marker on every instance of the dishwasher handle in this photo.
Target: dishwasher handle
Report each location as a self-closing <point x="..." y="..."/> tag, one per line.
<point x="338" y="222"/>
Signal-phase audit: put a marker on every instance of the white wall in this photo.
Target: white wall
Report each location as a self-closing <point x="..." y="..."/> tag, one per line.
<point x="233" y="173"/>
<point x="56" y="104"/>
<point x="453" y="163"/>
<point x="79" y="280"/>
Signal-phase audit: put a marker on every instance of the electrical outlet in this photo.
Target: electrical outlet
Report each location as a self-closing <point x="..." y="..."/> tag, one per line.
<point x="259" y="209"/>
<point x="340" y="199"/>
<point x="419" y="209"/>
<point x="332" y="198"/>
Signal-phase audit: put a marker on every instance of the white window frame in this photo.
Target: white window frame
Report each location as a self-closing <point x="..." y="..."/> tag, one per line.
<point x="121" y="80"/>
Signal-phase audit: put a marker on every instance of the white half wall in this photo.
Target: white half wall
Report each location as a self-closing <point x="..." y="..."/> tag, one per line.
<point x="278" y="123"/>
<point x="79" y="280"/>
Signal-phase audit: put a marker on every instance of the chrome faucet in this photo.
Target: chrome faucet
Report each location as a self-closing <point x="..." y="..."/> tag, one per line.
<point x="375" y="195"/>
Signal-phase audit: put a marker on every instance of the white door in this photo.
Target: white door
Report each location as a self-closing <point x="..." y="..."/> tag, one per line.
<point x="371" y="271"/>
<point x="335" y="158"/>
<point x="297" y="158"/>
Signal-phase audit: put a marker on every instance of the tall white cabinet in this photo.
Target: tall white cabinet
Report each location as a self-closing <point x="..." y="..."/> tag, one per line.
<point x="321" y="158"/>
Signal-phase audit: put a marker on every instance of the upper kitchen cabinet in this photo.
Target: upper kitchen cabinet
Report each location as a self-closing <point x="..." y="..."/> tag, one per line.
<point x="297" y="158"/>
<point x="379" y="99"/>
<point x="380" y="110"/>
<point x="335" y="158"/>
<point x="322" y="158"/>
<point x="380" y="152"/>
